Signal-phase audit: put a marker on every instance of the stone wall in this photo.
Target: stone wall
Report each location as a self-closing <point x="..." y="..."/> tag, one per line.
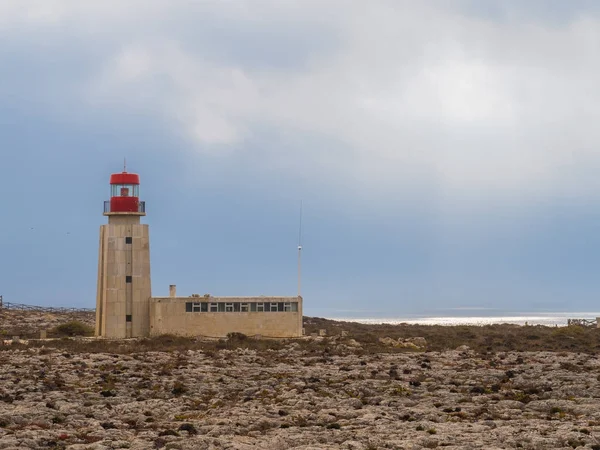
<point x="168" y="316"/>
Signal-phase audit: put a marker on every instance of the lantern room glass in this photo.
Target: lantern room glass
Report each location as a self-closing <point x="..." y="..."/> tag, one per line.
<point x="125" y="190"/>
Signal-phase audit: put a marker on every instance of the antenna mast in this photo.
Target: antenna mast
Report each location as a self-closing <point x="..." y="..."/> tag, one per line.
<point x="300" y="252"/>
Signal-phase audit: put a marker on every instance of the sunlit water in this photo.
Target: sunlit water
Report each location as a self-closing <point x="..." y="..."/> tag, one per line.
<point x="548" y="319"/>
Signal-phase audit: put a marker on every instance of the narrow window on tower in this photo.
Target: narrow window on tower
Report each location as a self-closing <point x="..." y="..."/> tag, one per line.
<point x="128" y="279"/>
<point x="128" y="318"/>
<point x="128" y="240"/>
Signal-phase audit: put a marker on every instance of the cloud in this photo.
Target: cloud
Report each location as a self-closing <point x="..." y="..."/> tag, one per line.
<point x="388" y="94"/>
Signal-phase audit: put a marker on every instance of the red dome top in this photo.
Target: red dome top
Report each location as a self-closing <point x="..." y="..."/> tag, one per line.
<point x="124" y="178"/>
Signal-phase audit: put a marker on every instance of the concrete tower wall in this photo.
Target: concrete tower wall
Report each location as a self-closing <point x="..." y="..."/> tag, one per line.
<point x="124" y="287"/>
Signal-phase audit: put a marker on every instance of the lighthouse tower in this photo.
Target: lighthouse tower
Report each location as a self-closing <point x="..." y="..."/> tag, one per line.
<point x="124" y="290"/>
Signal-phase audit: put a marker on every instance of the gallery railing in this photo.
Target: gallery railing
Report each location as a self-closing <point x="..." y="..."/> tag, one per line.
<point x="141" y="207"/>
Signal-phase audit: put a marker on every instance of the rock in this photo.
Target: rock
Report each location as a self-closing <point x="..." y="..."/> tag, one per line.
<point x="353" y="445"/>
<point x="8" y="442"/>
<point x="415" y="343"/>
<point x="420" y="342"/>
<point x="308" y="396"/>
<point x="388" y="341"/>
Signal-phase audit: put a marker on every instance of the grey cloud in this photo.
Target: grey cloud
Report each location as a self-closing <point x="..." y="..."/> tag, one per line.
<point x="447" y="94"/>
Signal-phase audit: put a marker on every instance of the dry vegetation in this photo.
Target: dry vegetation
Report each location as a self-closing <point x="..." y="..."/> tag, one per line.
<point x="489" y="338"/>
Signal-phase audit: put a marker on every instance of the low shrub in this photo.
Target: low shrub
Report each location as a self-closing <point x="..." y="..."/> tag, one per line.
<point x="191" y="429"/>
<point x="73" y="328"/>
<point x="179" y="388"/>
<point x="168" y="433"/>
<point x="235" y="336"/>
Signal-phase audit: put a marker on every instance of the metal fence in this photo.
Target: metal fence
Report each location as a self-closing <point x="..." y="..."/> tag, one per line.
<point x="48" y="309"/>
<point x="582" y="322"/>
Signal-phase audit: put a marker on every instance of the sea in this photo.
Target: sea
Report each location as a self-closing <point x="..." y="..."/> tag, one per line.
<point x="547" y="319"/>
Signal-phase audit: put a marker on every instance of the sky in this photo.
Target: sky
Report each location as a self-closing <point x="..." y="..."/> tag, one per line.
<point x="446" y="153"/>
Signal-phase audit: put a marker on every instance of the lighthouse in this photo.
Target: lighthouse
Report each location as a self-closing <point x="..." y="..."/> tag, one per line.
<point x="124" y="288"/>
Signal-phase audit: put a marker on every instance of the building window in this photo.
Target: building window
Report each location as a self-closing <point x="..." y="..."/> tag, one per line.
<point x="125" y="190"/>
<point x="128" y="318"/>
<point x="128" y="278"/>
<point x="129" y="240"/>
<point x="241" y="307"/>
<point x="196" y="307"/>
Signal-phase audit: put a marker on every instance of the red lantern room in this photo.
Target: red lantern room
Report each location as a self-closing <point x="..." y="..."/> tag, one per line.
<point x="124" y="195"/>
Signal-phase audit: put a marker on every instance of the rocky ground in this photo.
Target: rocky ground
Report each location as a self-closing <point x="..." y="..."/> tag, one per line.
<point x="314" y="394"/>
<point x="374" y="387"/>
<point x="24" y="323"/>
